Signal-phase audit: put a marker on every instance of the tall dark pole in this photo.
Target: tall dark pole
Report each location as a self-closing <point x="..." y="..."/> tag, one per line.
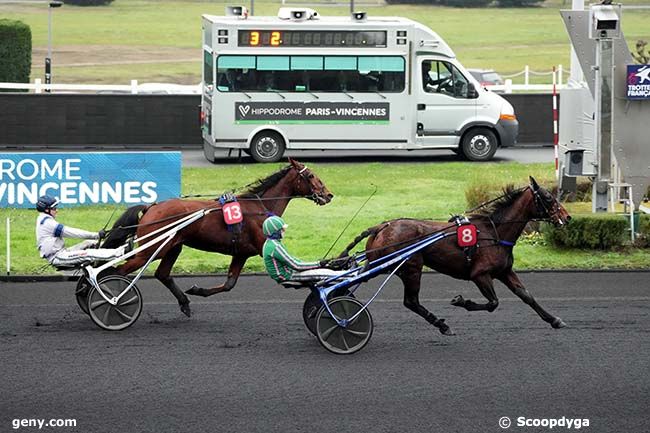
<point x="48" y="59"/>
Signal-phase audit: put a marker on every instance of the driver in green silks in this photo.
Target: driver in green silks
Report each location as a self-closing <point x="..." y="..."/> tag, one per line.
<point x="282" y="266"/>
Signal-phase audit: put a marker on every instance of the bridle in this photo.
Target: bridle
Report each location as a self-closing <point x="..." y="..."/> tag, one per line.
<point x="542" y="207"/>
<point x="307" y="175"/>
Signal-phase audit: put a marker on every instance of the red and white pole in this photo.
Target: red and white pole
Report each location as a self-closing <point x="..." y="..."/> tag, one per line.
<point x="556" y="138"/>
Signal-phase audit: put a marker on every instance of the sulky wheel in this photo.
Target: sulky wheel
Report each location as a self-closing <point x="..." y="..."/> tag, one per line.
<point x="343" y="340"/>
<point x="115" y="317"/>
<point x="81" y="293"/>
<point x="83" y="288"/>
<point x="310" y="310"/>
<point x="312" y="305"/>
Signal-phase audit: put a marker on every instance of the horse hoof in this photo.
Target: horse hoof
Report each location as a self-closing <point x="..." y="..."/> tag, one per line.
<point x="185" y="309"/>
<point x="558" y="323"/>
<point x="448" y="332"/>
<point x="458" y="301"/>
<point x="195" y="290"/>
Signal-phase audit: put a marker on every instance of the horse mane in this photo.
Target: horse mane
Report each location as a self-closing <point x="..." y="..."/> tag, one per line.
<point x="261" y="185"/>
<point x="496" y="210"/>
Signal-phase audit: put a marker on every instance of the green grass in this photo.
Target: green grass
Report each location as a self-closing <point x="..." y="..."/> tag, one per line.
<point x="425" y="190"/>
<point x="502" y="39"/>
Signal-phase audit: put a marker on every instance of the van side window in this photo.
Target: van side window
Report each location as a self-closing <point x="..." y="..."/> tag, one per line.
<point x="444" y="78"/>
<point x="208" y="71"/>
<point x="364" y="74"/>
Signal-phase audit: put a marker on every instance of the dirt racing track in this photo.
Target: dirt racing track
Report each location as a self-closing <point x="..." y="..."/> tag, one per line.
<point x="245" y="362"/>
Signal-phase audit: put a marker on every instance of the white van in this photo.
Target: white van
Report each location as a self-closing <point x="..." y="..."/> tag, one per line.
<point x="307" y="82"/>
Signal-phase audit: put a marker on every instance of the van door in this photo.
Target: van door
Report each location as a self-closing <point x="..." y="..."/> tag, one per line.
<point x="443" y="103"/>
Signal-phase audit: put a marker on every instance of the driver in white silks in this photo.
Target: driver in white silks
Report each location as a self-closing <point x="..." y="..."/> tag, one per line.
<point x="50" y="243"/>
<point x="282" y="266"/>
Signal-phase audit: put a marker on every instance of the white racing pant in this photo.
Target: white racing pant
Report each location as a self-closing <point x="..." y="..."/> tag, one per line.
<point x="83" y="253"/>
<point x="316" y="274"/>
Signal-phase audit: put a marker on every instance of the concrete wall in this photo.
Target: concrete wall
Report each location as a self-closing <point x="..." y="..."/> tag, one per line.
<point x="78" y="121"/>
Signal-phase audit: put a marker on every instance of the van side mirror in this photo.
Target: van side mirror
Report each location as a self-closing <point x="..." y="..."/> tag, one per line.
<point x="472" y="93"/>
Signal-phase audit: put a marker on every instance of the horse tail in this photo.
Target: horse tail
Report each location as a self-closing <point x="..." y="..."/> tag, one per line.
<point x="372" y="231"/>
<point x="125" y="226"/>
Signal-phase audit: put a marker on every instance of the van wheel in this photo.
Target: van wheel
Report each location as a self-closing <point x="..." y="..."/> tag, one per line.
<point x="267" y="146"/>
<point x="479" y="144"/>
<point x="208" y="152"/>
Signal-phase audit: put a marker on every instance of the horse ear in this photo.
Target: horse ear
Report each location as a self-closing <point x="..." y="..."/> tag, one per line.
<point x="533" y="183"/>
<point x="295" y="163"/>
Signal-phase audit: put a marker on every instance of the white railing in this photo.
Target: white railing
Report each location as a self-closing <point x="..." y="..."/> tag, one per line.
<point x="555" y="75"/>
<point x="508" y="87"/>
<point x="133" y="88"/>
<point x="163" y="88"/>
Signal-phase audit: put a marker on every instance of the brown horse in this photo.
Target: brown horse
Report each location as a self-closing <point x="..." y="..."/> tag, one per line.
<point x="499" y="223"/>
<point x="265" y="197"/>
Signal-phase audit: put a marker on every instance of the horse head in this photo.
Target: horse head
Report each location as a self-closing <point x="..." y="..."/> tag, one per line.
<point x="308" y="184"/>
<point x="547" y="206"/>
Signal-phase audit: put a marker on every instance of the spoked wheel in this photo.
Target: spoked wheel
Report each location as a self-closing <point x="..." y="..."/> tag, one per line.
<point x="313" y="304"/>
<point x="310" y="310"/>
<point x="81" y="293"/>
<point x="115" y="317"/>
<point x="83" y="289"/>
<point x="343" y="340"/>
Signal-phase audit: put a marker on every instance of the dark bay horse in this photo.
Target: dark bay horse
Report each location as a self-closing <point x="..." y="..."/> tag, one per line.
<point x="267" y="196"/>
<point x="499" y="224"/>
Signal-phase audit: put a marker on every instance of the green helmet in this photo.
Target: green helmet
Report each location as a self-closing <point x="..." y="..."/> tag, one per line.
<point x="273" y="225"/>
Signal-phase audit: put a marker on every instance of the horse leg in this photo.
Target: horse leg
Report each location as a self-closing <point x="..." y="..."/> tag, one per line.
<point x="163" y="275"/>
<point x="131" y="265"/>
<point x="236" y="266"/>
<point x="484" y="284"/>
<point x="512" y="281"/>
<point x="411" y="278"/>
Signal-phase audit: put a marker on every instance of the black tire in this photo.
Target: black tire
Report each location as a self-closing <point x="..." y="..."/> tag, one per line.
<point x="267" y="146"/>
<point x="344" y="340"/>
<point x="115" y="317"/>
<point x="310" y="310"/>
<point x="81" y="293"/>
<point x="312" y="305"/>
<point x="83" y="288"/>
<point x="208" y="152"/>
<point x="479" y="144"/>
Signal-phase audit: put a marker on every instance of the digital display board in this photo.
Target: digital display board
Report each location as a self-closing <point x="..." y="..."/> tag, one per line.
<point x="303" y="38"/>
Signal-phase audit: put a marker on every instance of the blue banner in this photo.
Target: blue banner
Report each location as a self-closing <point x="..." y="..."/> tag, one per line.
<point x="77" y="179"/>
<point x="638" y="81"/>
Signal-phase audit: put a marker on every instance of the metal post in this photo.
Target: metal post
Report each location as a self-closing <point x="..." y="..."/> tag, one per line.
<point x="8" y="246"/>
<point x="604" y="62"/>
<point x="351" y="6"/>
<point x="48" y="59"/>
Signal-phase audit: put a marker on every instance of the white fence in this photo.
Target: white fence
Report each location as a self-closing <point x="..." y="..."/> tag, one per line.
<point x="133" y="88"/>
<point x="177" y="89"/>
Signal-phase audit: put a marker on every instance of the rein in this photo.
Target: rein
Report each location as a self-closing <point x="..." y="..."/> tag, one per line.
<point x="257" y="198"/>
<point x="485" y="203"/>
<point x="407" y="241"/>
<point x="350" y="222"/>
